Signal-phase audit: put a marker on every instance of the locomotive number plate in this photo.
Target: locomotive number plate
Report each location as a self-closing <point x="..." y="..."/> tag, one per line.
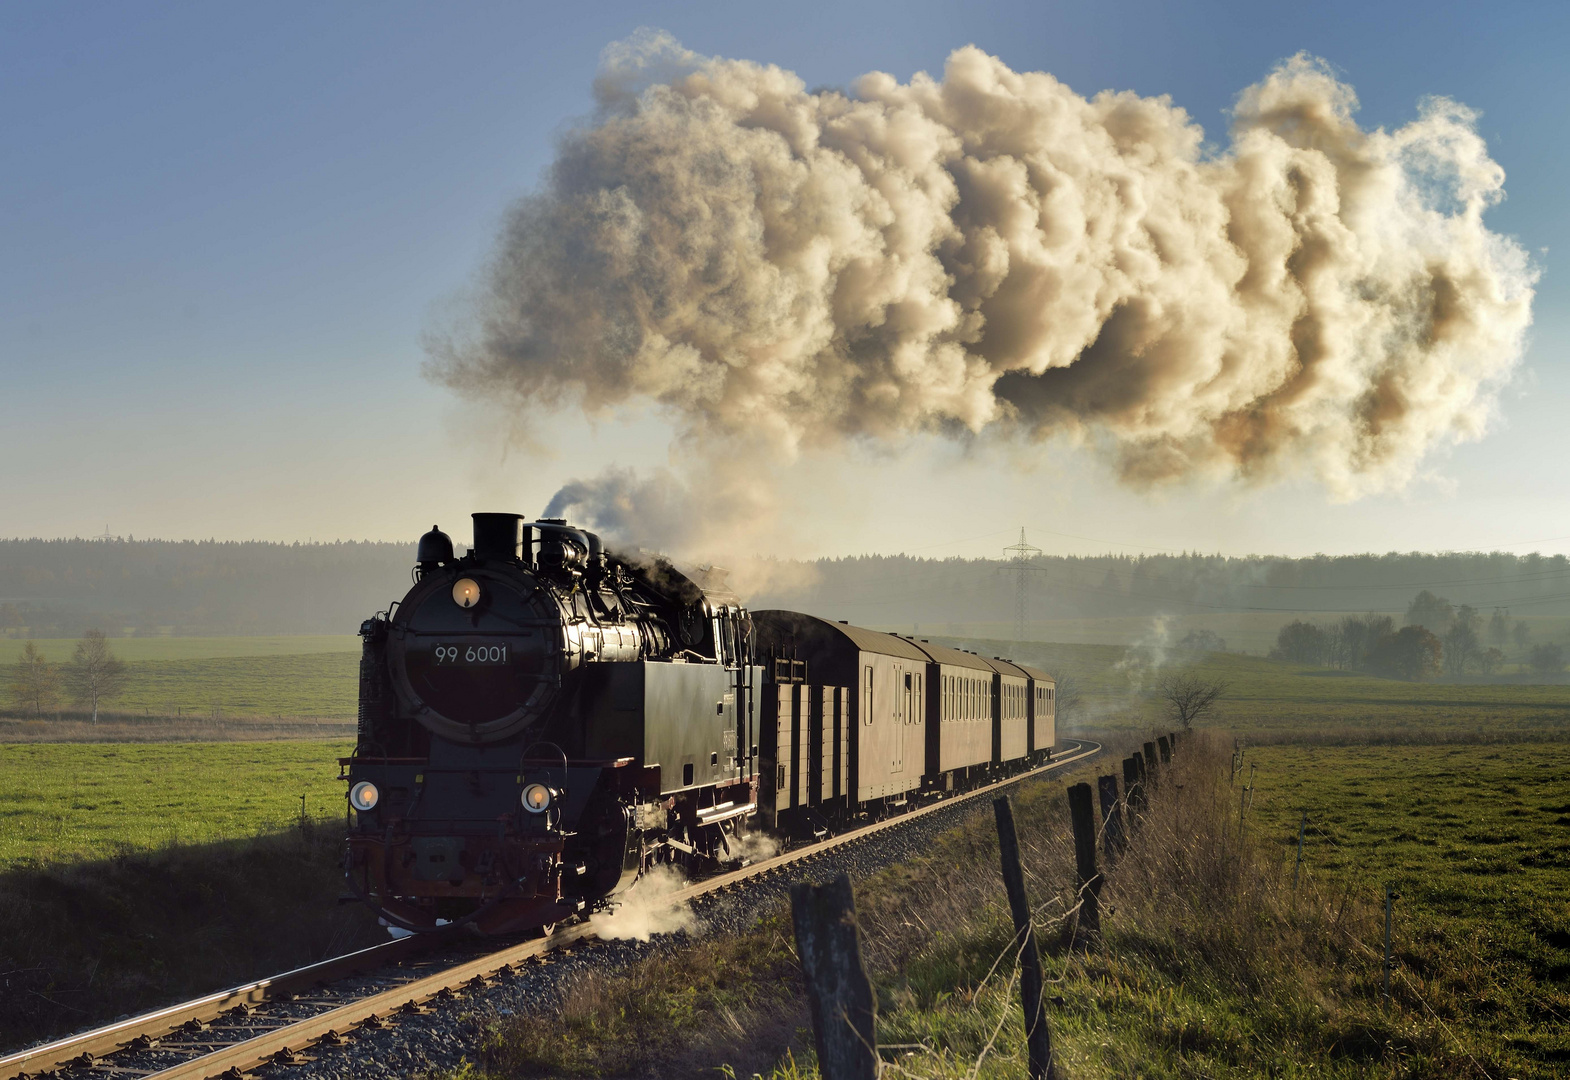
<point x="447" y="655"/>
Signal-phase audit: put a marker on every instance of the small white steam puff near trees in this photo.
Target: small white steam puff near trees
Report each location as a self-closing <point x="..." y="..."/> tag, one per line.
<point x="35" y="682"/>
<point x="1189" y="697"/>
<point x="94" y="674"/>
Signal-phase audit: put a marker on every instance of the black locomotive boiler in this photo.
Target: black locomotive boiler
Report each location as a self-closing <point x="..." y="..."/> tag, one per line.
<point x="541" y="721"/>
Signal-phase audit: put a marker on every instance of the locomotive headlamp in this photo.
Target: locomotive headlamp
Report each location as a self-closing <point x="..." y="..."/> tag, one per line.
<point x="537" y="798"/>
<point x="363" y="796"/>
<point x="466" y="592"/>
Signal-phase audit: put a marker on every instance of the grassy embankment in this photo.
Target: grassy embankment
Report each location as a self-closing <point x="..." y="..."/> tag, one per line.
<point x="1211" y="963"/>
<point x="131" y="876"/>
<point x="233" y="688"/>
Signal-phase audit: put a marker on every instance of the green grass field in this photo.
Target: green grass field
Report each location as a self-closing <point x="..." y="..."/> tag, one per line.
<point x="136" y="649"/>
<point x="313" y="684"/>
<point x="1476" y="842"/>
<point x="65" y="802"/>
<point x="234" y="676"/>
<point x="1270" y="700"/>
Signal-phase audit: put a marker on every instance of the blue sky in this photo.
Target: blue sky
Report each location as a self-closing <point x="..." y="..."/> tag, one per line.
<point x="224" y="230"/>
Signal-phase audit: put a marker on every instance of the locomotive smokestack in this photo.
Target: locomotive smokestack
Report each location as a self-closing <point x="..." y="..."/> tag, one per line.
<point x="498" y="536"/>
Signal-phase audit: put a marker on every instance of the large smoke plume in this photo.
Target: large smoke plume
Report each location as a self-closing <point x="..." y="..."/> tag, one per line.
<point x="993" y="257"/>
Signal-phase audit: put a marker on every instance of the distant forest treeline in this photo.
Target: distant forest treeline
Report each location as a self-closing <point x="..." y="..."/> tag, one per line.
<point x="900" y="589"/>
<point x="58" y="588"/>
<point x="52" y="588"/>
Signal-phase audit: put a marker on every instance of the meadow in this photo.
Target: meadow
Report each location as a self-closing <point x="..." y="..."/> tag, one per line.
<point x="137" y="649"/>
<point x="1475" y="841"/>
<point x="1455" y="792"/>
<point x="1268" y="700"/>
<point x="215" y="678"/>
<point x="66" y="802"/>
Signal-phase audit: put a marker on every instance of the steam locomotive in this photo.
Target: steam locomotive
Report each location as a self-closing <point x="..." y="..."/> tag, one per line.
<point x="541" y="721"/>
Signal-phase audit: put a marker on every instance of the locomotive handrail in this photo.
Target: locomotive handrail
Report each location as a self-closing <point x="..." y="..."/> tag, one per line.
<point x="579" y="763"/>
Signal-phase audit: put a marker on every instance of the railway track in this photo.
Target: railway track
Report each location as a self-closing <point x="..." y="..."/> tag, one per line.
<point x="276" y="1020"/>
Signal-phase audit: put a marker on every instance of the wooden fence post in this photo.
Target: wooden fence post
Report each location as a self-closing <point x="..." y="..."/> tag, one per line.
<point x="1150" y="764"/>
<point x="1390" y="899"/>
<point x="843" y="1006"/>
<point x="1112" y="841"/>
<point x="1166" y="750"/>
<point x="1131" y="791"/>
<point x="1302" y="827"/>
<point x="1146" y="779"/>
<point x="1083" y="815"/>
<point x="1038" y="1037"/>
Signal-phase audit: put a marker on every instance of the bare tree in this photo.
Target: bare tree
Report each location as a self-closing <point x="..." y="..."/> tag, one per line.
<point x="94" y="673"/>
<point x="1189" y="697"/>
<point x="1432" y="613"/>
<point x="1548" y="659"/>
<point x="1066" y="697"/>
<point x="1461" y="645"/>
<point x="35" y="682"/>
<point x="1499" y="628"/>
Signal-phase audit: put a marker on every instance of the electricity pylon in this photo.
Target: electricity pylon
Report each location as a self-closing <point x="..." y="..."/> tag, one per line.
<point x="1019" y="562"/>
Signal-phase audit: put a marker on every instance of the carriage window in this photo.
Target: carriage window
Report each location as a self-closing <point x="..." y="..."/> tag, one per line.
<point x="909" y="701"/>
<point x="917" y="714"/>
<point x="866" y="700"/>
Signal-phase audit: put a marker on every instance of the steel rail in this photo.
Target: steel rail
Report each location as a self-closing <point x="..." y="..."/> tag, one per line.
<point x="122" y="1034"/>
<point x="282" y="1044"/>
